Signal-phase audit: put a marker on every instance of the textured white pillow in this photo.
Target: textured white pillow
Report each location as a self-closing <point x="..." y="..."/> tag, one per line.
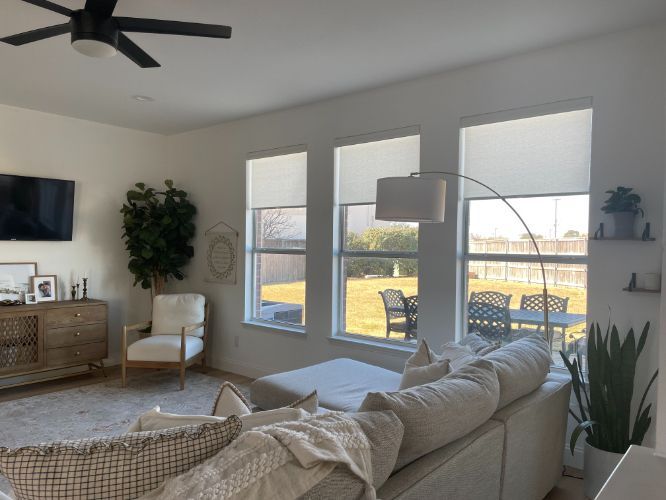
<point x="422" y="367"/>
<point x="155" y="420"/>
<point x="521" y="367"/>
<point x="479" y="345"/>
<point x="172" y="312"/>
<point x="230" y="401"/>
<point x="438" y="413"/>
<point x="458" y="355"/>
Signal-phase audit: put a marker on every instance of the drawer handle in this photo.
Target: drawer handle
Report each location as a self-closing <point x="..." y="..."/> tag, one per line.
<point x="77" y="315"/>
<point x="77" y="353"/>
<point x="77" y="334"/>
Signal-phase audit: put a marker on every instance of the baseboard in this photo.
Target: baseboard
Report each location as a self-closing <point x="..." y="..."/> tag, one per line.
<point x="239" y="367"/>
<point x="575" y="460"/>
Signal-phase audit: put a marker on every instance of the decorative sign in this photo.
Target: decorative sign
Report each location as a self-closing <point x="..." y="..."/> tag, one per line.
<point x="221" y="261"/>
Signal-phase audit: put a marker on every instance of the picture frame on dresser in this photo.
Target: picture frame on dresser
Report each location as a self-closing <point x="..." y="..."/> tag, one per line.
<point x="15" y="279"/>
<point x="45" y="287"/>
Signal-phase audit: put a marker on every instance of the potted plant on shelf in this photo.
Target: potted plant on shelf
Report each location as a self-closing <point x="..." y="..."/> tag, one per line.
<point x="624" y="206"/>
<point x="157" y="228"/>
<point x="604" y="402"/>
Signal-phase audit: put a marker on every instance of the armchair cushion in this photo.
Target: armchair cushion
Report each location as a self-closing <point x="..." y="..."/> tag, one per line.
<point x="163" y="348"/>
<point x="174" y="311"/>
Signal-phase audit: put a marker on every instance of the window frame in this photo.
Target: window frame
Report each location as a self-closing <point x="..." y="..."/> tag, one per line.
<point x="497" y="257"/>
<point x="252" y="250"/>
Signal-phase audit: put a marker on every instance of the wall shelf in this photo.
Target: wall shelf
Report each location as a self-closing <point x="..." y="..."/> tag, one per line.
<point x="623" y="239"/>
<point x="640" y="290"/>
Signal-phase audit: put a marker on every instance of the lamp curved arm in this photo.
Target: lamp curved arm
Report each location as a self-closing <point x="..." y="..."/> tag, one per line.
<point x="522" y="221"/>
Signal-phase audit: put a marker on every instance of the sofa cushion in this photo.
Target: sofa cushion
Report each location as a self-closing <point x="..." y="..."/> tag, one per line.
<point x="230" y="401"/>
<point x="155" y="419"/>
<point x="422" y="367"/>
<point x="174" y="311"/>
<point x="163" y="348"/>
<point x="521" y="367"/>
<point x="341" y="384"/>
<point x="479" y="345"/>
<point x="125" y="466"/>
<point x="438" y="413"/>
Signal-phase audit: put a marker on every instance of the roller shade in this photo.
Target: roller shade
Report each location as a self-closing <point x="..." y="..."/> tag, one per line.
<point x="360" y="165"/>
<point x="278" y="181"/>
<point x="537" y="155"/>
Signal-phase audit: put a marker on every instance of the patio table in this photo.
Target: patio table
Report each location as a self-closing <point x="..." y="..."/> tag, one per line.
<point x="555" y="319"/>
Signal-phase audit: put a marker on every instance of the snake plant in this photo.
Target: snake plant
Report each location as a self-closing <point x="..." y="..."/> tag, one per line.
<point x="604" y="399"/>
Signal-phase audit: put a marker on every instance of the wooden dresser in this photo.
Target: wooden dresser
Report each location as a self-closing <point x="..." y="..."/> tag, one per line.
<point x="52" y="335"/>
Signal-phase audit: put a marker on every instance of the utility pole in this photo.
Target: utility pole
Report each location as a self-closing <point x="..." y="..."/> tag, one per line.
<point x="555" y="228"/>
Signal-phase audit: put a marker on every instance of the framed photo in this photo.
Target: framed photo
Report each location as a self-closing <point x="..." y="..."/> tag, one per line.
<point x="15" y="279"/>
<point x="45" y="287"/>
<point x="30" y="298"/>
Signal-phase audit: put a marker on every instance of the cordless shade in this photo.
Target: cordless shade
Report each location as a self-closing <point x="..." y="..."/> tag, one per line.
<point x="278" y="181"/>
<point x="538" y="155"/>
<point x="360" y="165"/>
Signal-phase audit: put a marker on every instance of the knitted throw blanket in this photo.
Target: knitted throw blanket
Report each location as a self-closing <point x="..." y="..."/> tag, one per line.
<point x="281" y="462"/>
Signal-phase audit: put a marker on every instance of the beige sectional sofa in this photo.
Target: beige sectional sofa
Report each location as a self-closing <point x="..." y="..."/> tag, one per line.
<point x="515" y="455"/>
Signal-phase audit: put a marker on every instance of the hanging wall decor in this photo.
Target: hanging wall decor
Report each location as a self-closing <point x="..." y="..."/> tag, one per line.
<point x="221" y="255"/>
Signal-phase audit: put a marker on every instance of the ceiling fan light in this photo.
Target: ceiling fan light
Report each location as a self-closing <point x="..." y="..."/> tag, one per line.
<point x="94" y="48"/>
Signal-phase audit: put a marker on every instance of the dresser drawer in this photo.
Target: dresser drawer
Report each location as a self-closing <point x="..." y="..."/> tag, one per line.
<point x="75" y="335"/>
<point x="73" y="355"/>
<point x="71" y="316"/>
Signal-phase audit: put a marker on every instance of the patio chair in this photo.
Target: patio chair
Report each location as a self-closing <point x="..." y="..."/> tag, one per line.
<point x="394" y="308"/>
<point x="411" y="305"/>
<point x="488" y="320"/>
<point x="555" y="304"/>
<point x="497" y="299"/>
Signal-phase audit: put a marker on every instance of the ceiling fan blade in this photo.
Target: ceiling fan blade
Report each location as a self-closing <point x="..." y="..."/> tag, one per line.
<point x="135" y="25"/>
<point x="45" y="4"/>
<point x="103" y="8"/>
<point x="35" y="35"/>
<point x="135" y="53"/>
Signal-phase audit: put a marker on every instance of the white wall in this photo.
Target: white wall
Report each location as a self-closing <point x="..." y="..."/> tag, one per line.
<point x="105" y="162"/>
<point x="624" y="74"/>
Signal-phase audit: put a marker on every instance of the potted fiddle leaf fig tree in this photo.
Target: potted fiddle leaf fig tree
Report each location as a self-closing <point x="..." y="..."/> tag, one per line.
<point x="158" y="227"/>
<point x="623" y="205"/>
<point x="604" y="401"/>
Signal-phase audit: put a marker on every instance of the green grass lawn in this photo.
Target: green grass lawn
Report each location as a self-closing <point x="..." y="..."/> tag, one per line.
<point x="365" y="311"/>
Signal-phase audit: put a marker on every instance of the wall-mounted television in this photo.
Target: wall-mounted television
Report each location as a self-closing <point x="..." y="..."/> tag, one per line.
<point x="36" y="209"/>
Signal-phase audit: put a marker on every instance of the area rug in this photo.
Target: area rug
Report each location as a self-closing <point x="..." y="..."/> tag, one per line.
<point x="102" y="409"/>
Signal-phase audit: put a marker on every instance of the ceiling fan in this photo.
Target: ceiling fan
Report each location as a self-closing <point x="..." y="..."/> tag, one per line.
<point x="97" y="33"/>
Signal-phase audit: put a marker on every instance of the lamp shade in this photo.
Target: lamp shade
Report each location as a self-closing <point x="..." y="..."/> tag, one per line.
<point x="410" y="199"/>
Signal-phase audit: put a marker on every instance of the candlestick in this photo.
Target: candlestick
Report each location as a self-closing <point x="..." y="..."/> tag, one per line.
<point x="85" y="289"/>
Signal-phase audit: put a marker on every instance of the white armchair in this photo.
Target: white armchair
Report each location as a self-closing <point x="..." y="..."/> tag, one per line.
<point x="177" y="339"/>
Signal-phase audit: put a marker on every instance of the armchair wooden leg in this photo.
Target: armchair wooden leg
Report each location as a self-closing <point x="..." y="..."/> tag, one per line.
<point x="203" y="364"/>
<point x="182" y="376"/>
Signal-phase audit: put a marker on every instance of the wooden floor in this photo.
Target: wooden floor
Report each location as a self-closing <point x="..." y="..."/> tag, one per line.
<point x="568" y="488"/>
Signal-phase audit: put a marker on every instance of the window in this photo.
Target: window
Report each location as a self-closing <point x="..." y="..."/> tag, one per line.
<point x="277" y="213"/>
<point x="378" y="260"/>
<point x="541" y="163"/>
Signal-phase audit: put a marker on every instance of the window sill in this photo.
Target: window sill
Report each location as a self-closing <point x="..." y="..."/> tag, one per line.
<point x="373" y="345"/>
<point x="276" y="328"/>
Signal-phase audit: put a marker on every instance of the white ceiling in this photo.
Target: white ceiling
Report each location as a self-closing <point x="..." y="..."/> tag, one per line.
<point x="283" y="52"/>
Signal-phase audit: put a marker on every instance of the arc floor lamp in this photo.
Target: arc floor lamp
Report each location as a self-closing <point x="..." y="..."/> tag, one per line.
<point x="420" y="199"/>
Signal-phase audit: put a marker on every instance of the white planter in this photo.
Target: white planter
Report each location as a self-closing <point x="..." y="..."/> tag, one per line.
<point x="598" y="466"/>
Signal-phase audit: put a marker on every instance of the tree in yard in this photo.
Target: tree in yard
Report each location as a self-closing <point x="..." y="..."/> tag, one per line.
<point x="526" y="236"/>
<point x="276" y="224"/>
<point x="572" y="233"/>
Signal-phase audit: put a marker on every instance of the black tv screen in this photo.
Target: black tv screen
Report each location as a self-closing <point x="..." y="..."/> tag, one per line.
<point x="33" y="208"/>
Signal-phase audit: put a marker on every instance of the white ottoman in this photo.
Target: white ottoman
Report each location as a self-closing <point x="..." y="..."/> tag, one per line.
<point x="341" y="385"/>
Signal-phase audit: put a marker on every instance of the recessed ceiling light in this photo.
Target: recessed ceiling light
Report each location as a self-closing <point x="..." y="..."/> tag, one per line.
<point x="143" y="98"/>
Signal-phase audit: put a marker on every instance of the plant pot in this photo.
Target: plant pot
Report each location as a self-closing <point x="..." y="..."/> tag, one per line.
<point x="597" y="467"/>
<point x="623" y="224"/>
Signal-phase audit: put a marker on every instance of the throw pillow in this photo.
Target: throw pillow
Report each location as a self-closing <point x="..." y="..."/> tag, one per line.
<point x="155" y="419"/>
<point x="422" y="367"/>
<point x="126" y="466"/>
<point x="438" y="413"/>
<point x="479" y="345"/>
<point x="458" y="355"/>
<point x="230" y="401"/>
<point x="521" y="367"/>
